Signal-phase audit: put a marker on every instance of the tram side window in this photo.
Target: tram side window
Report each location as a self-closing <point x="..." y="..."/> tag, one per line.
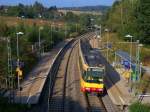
<point x="80" y="63"/>
<point x="84" y="75"/>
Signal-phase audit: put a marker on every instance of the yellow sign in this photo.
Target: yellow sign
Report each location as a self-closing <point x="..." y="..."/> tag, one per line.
<point x="127" y="74"/>
<point x="19" y="71"/>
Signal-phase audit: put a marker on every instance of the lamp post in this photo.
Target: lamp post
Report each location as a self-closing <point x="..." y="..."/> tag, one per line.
<point x="138" y="64"/>
<point x="129" y="36"/>
<point x="106" y="30"/>
<point x="40" y="28"/>
<point x="76" y="27"/>
<point x="92" y="22"/>
<point x="100" y="31"/>
<point x="60" y="25"/>
<point x="18" y="67"/>
<point x="51" y="32"/>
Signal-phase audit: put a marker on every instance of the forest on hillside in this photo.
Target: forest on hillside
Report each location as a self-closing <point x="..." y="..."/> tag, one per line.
<point x="37" y="10"/>
<point x="98" y="8"/>
<point x="130" y="17"/>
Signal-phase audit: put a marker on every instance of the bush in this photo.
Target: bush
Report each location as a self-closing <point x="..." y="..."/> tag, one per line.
<point x="7" y="107"/>
<point x="138" y="107"/>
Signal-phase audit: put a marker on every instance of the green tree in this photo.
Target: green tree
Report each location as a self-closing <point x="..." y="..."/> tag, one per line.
<point x="138" y="107"/>
<point x="143" y="20"/>
<point x="130" y="17"/>
<point x="33" y="34"/>
<point x="3" y="28"/>
<point x="71" y="17"/>
<point x="85" y="20"/>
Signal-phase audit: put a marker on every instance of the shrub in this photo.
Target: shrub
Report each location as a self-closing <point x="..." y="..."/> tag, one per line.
<point x="138" y="107"/>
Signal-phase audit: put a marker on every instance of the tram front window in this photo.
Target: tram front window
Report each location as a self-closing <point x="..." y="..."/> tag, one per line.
<point x="95" y="75"/>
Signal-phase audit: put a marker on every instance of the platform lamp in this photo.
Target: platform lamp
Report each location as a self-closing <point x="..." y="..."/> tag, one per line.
<point x="18" y="67"/>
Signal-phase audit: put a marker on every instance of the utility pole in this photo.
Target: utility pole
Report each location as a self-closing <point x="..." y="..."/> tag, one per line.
<point x="101" y="31"/>
<point x="40" y="28"/>
<point x="76" y="27"/>
<point x="106" y="30"/>
<point x="65" y="31"/>
<point x="51" y="33"/>
<point x="19" y="72"/>
<point x="130" y="36"/>
<point x="9" y="71"/>
<point x="39" y="42"/>
<point x="121" y="12"/>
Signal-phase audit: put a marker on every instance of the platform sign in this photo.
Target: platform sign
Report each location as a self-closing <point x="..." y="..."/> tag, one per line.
<point x="134" y="73"/>
<point x="134" y="77"/>
<point x="109" y="45"/>
<point x="126" y="64"/>
<point x="19" y="72"/>
<point x="15" y="63"/>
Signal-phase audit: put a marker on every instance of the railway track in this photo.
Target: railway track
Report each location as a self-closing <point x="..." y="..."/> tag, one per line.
<point x="95" y="104"/>
<point x="58" y="100"/>
<point x="101" y="104"/>
<point x="65" y="95"/>
<point x="77" y="102"/>
<point x="58" y="96"/>
<point x="109" y="106"/>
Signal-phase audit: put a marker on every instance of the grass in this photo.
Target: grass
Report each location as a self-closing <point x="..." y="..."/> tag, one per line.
<point x="138" y="107"/>
<point x="144" y="85"/>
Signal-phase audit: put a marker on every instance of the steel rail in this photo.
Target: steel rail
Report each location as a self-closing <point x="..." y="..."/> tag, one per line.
<point x="56" y="68"/>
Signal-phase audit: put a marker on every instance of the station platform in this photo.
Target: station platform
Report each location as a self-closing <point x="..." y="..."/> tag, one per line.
<point x="115" y="84"/>
<point x="33" y="84"/>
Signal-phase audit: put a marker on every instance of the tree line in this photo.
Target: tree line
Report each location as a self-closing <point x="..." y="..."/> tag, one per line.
<point x="130" y="17"/>
<point x="37" y="10"/>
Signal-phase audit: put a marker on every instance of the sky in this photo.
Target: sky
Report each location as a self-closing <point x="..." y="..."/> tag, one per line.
<point x="60" y="3"/>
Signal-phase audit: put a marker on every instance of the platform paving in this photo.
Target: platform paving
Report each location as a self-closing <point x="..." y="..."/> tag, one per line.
<point x="33" y="84"/>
